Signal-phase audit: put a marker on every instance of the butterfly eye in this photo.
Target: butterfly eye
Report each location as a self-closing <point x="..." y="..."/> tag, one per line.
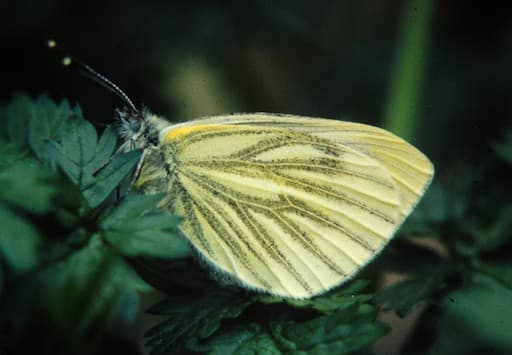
<point x="135" y="125"/>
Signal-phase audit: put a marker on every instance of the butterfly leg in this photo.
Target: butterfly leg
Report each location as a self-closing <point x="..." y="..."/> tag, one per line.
<point x="136" y="173"/>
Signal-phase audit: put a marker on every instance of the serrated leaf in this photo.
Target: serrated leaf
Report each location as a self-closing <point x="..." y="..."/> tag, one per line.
<point x="77" y="150"/>
<point x="46" y="123"/>
<point x="18" y="241"/>
<point x="110" y="177"/>
<point x="252" y="339"/>
<point x="137" y="228"/>
<point x="93" y="280"/>
<point x="335" y="301"/>
<point x="104" y="149"/>
<point x="133" y="206"/>
<point x="192" y="316"/>
<point x="80" y="155"/>
<point x="341" y="298"/>
<point x="344" y="331"/>
<point x="198" y="324"/>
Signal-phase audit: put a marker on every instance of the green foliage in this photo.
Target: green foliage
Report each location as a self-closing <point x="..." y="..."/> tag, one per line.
<point x="409" y="70"/>
<point x="338" y="333"/>
<point x="66" y="239"/>
<point x="405" y="296"/>
<point x="478" y="316"/>
<point x="17" y="172"/>
<point x="93" y="279"/>
<point x="330" y="302"/>
<point x="192" y="316"/>
<point x="135" y="229"/>
<point x="469" y="287"/>
<point x="63" y="241"/>
<point x="339" y="323"/>
<point x="80" y="155"/>
<point x="81" y="265"/>
<point x="19" y="252"/>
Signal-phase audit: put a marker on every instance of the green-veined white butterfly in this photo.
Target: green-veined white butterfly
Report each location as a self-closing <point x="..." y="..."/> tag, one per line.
<point x="288" y="205"/>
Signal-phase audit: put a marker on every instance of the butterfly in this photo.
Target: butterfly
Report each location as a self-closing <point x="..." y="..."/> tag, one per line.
<point x="286" y="205"/>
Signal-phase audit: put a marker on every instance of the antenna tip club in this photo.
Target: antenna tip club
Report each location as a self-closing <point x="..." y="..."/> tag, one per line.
<point x="66" y="61"/>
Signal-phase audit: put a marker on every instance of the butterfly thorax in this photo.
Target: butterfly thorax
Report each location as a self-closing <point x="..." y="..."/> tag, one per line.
<point x="158" y="172"/>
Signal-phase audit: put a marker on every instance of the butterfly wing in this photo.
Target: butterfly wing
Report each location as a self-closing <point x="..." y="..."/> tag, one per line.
<point x="279" y="210"/>
<point x="410" y="169"/>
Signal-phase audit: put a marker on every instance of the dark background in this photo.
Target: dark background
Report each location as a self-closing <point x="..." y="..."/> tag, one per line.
<point x="323" y="58"/>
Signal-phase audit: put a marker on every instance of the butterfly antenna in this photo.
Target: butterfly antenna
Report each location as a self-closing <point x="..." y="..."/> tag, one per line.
<point x="87" y="71"/>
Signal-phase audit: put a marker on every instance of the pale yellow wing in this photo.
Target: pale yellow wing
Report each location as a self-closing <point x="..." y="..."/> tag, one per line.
<point x="277" y="210"/>
<point x="411" y="170"/>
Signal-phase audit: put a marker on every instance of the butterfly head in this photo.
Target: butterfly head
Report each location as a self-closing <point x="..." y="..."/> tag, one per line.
<point x="134" y="128"/>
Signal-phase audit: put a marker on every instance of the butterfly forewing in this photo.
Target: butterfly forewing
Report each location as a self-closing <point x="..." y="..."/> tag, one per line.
<point x="279" y="210"/>
<point x="410" y="169"/>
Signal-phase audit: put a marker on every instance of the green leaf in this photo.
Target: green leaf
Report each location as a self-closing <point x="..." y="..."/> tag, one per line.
<point x="344" y="331"/>
<point x="136" y="228"/>
<point x="76" y="150"/>
<point x="133" y="206"/>
<point x="338" y="299"/>
<point x="192" y="316"/>
<point x="47" y="120"/>
<point x="104" y="149"/>
<point x="93" y="280"/>
<point x="252" y="339"/>
<point x="80" y="155"/>
<point x="404" y="296"/>
<point x="10" y="154"/>
<point x="15" y="119"/>
<point x="486" y="237"/>
<point x="169" y="275"/>
<point x="18" y="241"/>
<point x="501" y="271"/>
<point x="26" y="184"/>
<point x="110" y="177"/>
<point x="439" y="205"/>
<point x="203" y="323"/>
<point x="476" y="317"/>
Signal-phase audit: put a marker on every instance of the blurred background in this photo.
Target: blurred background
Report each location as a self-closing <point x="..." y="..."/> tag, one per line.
<point x="337" y="59"/>
<point x="438" y="73"/>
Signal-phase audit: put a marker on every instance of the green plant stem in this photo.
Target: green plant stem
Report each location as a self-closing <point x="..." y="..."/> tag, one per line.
<point x="408" y="72"/>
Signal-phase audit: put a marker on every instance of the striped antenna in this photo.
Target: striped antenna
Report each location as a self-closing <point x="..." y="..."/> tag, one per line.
<point x="87" y="71"/>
